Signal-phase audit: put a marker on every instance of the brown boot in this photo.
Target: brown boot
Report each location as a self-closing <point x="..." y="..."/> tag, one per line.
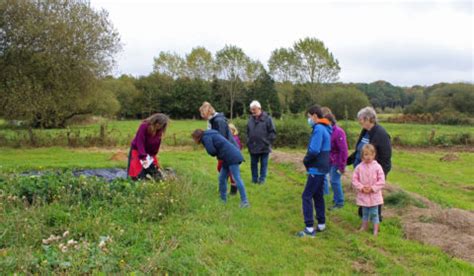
<point x="376" y="229"/>
<point x="364" y="226"/>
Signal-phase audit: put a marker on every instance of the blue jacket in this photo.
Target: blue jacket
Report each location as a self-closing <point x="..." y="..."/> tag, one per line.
<point x="219" y="122"/>
<point x="317" y="159"/>
<point x="217" y="145"/>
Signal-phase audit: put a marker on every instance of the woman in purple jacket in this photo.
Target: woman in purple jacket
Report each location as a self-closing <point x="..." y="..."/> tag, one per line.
<point x="338" y="159"/>
<point x="145" y="146"/>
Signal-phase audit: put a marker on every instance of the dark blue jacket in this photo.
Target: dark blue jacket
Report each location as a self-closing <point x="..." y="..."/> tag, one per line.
<point x="217" y="145"/>
<point x="219" y="123"/>
<point x="261" y="134"/>
<point x="317" y="159"/>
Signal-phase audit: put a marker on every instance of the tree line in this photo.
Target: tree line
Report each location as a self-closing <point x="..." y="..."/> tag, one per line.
<point x="55" y="56"/>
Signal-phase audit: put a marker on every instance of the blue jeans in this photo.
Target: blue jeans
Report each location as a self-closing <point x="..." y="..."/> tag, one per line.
<point x="313" y="194"/>
<point x="235" y="171"/>
<point x="254" y="159"/>
<point x="371" y="212"/>
<point x="336" y="185"/>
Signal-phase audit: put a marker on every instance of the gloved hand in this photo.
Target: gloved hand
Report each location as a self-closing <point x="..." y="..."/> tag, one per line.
<point x="147" y="162"/>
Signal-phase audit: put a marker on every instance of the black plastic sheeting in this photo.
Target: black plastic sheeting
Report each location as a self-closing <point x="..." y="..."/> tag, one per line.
<point x="107" y="174"/>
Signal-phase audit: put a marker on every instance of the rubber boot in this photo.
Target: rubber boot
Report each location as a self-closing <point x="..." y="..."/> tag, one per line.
<point x="364" y="226"/>
<point x="376" y="229"/>
<point x="233" y="189"/>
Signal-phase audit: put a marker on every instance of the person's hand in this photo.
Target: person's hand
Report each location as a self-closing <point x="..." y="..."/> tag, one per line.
<point x="366" y="190"/>
<point x="147" y="162"/>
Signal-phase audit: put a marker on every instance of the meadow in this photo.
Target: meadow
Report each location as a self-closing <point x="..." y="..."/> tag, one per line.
<point x="182" y="227"/>
<point x="119" y="133"/>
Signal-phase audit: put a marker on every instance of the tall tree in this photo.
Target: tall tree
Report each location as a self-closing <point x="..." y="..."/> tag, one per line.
<point x="170" y="64"/>
<point x="314" y="62"/>
<point x="200" y="64"/>
<point x="282" y="65"/>
<point x="232" y="64"/>
<point x="52" y="54"/>
<point x="263" y="90"/>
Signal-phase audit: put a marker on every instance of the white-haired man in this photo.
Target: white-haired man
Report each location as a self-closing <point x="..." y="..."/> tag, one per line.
<point x="260" y="136"/>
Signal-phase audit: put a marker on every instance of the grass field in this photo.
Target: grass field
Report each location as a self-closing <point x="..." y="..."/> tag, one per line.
<point x="181" y="227"/>
<point x="120" y="133"/>
<point x="201" y="235"/>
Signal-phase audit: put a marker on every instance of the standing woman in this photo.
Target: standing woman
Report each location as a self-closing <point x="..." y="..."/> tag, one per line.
<point x="375" y="134"/>
<point x="146" y="144"/>
<point x="338" y="159"/>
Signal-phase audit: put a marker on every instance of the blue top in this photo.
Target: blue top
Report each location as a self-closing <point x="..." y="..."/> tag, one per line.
<point x="317" y="156"/>
<point x="364" y="141"/>
<point x="218" y="145"/>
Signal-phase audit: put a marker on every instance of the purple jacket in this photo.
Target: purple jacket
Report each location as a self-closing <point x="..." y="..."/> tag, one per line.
<point x="338" y="154"/>
<point x="145" y="143"/>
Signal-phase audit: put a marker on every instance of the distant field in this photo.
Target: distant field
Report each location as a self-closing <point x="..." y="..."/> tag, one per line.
<point x="120" y="133"/>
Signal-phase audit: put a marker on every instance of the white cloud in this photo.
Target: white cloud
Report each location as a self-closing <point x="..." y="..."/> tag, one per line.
<point x="389" y="40"/>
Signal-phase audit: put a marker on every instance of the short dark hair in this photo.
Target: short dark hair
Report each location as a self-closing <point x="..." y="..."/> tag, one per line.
<point x="197" y="134"/>
<point x="315" y="109"/>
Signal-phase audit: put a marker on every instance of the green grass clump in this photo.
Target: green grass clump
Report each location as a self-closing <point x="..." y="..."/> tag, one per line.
<point x="401" y="199"/>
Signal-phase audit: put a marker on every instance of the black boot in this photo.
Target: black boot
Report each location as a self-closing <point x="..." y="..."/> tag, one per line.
<point x="233" y="190"/>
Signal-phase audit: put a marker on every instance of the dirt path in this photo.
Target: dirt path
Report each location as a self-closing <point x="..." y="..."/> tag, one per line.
<point x="450" y="229"/>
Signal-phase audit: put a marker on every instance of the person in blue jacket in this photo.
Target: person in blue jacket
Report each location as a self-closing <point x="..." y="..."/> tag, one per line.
<point x="317" y="164"/>
<point x="217" y="145"/>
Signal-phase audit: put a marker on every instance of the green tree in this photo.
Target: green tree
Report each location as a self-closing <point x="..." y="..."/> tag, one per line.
<point x="187" y="96"/>
<point x="155" y="93"/>
<point x="170" y="64"/>
<point x="263" y="90"/>
<point x="343" y="100"/>
<point x="233" y="66"/>
<point x="52" y="54"/>
<point x="282" y="65"/>
<point x="200" y="64"/>
<point x="314" y="63"/>
<point x="126" y="93"/>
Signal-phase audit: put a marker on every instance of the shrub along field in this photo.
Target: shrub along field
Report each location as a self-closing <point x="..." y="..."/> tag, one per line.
<point x="64" y="224"/>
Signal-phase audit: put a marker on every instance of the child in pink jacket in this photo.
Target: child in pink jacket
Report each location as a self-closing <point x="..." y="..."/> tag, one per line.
<point x="368" y="179"/>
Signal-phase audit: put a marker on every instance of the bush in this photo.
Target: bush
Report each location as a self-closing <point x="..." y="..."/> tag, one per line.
<point x="290" y="133"/>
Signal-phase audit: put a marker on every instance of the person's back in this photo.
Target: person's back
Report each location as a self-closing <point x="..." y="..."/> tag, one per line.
<point x="219" y="123"/>
<point x="217" y="145"/>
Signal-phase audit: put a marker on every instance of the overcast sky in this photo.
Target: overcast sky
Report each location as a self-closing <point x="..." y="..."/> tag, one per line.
<point x="403" y="42"/>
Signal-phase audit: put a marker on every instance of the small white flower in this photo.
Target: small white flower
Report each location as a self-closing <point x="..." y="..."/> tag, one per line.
<point x="65" y="234"/>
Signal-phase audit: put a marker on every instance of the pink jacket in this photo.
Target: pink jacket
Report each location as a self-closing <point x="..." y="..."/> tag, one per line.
<point x="369" y="175"/>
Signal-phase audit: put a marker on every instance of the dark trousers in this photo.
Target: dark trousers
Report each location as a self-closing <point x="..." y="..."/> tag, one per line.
<point x="313" y="194"/>
<point x="254" y="160"/>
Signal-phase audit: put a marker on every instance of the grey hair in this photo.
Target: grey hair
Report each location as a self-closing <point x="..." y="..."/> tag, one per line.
<point x="255" y="104"/>
<point x="367" y="114"/>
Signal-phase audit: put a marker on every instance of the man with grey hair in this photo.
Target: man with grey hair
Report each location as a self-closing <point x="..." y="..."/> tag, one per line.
<point x="260" y="136"/>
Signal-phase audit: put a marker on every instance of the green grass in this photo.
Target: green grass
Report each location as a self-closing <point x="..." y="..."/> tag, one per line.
<point x="203" y="236"/>
<point x="450" y="184"/>
<point x="122" y="132"/>
<point x="54" y="157"/>
<point x="118" y="133"/>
